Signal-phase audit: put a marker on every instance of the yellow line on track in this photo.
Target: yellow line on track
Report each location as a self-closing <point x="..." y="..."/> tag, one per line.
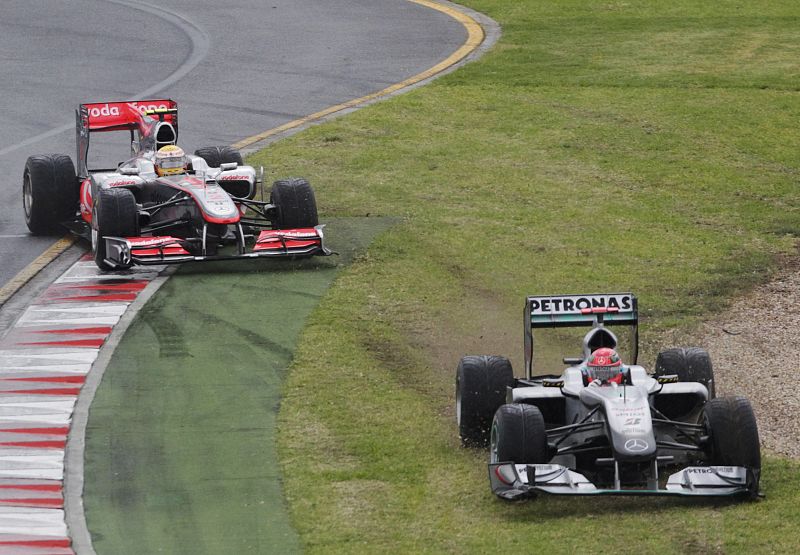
<point x="34" y="268"/>
<point x="475" y="37"/>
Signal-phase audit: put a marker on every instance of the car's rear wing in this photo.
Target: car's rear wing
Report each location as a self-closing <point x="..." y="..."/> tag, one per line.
<point x="129" y="115"/>
<point x="611" y="309"/>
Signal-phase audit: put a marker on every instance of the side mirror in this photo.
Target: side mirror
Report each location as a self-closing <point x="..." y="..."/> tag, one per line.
<point x="129" y="170"/>
<point x="228" y="166"/>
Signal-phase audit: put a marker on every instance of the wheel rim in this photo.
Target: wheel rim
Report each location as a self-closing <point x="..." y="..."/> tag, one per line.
<point x="95" y="235"/>
<point x="27" y="197"/>
<point x="493" y="445"/>
<point x="458" y="401"/>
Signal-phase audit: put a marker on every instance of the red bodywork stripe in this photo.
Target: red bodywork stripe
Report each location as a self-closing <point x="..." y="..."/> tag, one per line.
<point x="500" y="476"/>
<point x="213" y="220"/>
<point x="599" y="310"/>
<point x="276" y="244"/>
<point x="157" y="252"/>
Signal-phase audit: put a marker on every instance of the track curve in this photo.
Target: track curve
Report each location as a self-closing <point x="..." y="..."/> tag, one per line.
<point x="260" y="67"/>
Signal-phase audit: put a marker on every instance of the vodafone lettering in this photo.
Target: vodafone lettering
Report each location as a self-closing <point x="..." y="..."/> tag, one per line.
<point x="113" y="110"/>
<point x="281" y="233"/>
<point x="147" y="242"/>
<point x="104" y="110"/>
<point x="146" y="107"/>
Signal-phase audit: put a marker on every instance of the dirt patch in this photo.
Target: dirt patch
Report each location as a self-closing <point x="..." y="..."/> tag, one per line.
<point x="755" y="348"/>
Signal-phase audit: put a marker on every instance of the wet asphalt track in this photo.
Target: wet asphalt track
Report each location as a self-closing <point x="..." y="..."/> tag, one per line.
<point x="236" y="68"/>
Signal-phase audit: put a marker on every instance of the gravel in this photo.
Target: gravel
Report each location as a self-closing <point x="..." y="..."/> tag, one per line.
<point x="755" y="350"/>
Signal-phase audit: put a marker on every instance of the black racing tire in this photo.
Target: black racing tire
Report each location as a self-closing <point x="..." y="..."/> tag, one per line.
<point x="690" y="364"/>
<point x="481" y="383"/>
<point x="733" y="436"/>
<point x="49" y="193"/>
<point x="518" y="435"/>
<point x="296" y="206"/>
<point x="115" y="215"/>
<point x="216" y="155"/>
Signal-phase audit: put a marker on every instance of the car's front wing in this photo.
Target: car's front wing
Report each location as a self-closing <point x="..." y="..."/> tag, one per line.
<point x="515" y="481"/>
<point x="124" y="252"/>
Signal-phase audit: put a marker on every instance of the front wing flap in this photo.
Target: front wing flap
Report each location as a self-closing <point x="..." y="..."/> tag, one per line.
<point x="517" y="481"/>
<point x="124" y="252"/>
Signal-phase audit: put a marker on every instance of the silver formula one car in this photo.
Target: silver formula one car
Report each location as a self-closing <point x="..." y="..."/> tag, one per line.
<point x="162" y="206"/>
<point x="602" y="426"/>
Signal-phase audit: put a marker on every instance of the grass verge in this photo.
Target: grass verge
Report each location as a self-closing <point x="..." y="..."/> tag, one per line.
<point x="599" y="146"/>
<point x="180" y="445"/>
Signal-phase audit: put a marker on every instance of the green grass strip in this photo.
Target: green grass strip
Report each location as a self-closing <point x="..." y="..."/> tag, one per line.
<point x="180" y="447"/>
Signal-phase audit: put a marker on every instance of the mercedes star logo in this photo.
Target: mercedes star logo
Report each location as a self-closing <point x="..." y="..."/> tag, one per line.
<point x="636" y="445"/>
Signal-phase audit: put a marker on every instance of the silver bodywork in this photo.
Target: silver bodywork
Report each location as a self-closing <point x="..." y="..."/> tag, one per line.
<point x="610" y="438"/>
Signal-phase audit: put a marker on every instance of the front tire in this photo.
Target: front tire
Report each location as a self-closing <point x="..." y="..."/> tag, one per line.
<point x="296" y="206"/>
<point x="114" y="215"/>
<point x="49" y="192"/>
<point x="690" y="364"/>
<point x="518" y="435"/>
<point x="481" y="383"/>
<point x="733" y="435"/>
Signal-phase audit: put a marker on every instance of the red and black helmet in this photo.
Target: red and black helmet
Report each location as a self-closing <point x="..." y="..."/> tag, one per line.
<point x="605" y="366"/>
<point x="604" y="357"/>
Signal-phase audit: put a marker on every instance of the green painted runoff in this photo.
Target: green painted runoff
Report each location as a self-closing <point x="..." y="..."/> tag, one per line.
<point x="180" y="450"/>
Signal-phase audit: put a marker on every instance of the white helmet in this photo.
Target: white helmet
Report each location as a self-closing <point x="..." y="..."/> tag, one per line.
<point x="170" y="160"/>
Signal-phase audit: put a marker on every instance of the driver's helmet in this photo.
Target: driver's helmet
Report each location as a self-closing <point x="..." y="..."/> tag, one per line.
<point x="170" y="160"/>
<point x="605" y="366"/>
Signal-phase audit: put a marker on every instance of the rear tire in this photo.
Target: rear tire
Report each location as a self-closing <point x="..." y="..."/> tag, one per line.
<point x="114" y="215"/>
<point x="690" y="364"/>
<point x="296" y="206"/>
<point x="518" y="435"/>
<point x="217" y="155"/>
<point x="49" y="192"/>
<point x="733" y="435"/>
<point x="481" y="383"/>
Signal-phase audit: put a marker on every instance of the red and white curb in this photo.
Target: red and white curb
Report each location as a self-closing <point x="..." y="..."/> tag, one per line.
<point x="45" y="360"/>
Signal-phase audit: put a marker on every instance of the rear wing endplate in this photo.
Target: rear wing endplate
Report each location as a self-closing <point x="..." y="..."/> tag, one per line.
<point x="612" y="309"/>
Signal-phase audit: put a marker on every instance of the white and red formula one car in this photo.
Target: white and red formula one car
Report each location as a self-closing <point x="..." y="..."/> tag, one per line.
<point x="162" y="206"/>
